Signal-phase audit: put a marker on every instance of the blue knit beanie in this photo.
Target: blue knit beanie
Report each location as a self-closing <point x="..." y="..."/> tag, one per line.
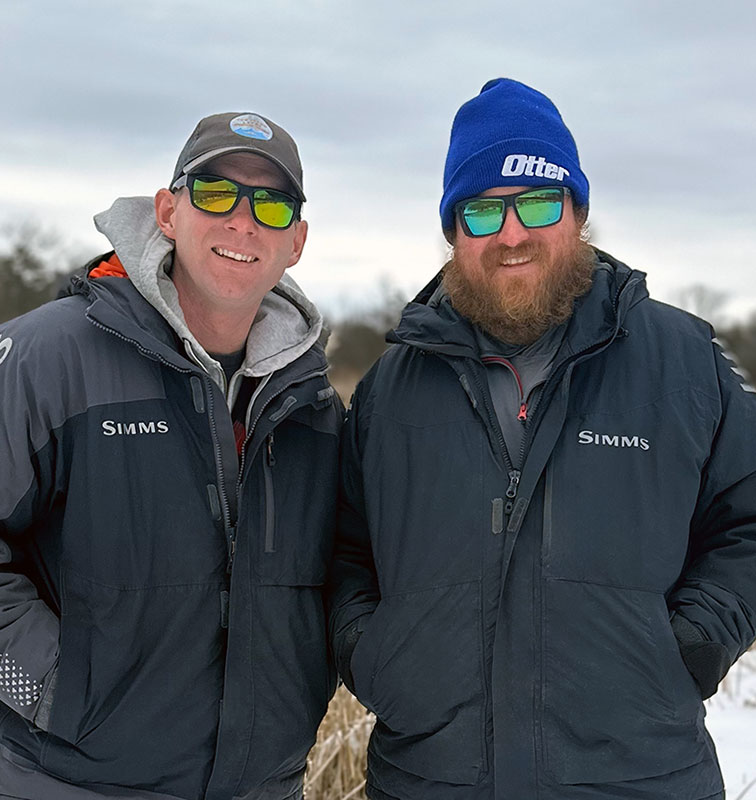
<point x="509" y="135"/>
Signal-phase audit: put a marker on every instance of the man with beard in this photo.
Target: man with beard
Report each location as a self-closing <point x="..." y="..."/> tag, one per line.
<point x="546" y="554"/>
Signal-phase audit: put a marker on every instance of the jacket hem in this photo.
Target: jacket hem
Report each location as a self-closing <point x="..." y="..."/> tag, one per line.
<point x="22" y="779"/>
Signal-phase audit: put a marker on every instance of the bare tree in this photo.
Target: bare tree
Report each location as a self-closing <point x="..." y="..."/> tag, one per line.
<point x="360" y="337"/>
<point x="30" y="270"/>
<point x="703" y="301"/>
<point x="741" y="342"/>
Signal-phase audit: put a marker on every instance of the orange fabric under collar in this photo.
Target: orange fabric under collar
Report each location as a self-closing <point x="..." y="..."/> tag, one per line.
<point x="111" y="268"/>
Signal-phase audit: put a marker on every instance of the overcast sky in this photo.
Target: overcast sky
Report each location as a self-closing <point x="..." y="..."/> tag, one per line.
<point x="99" y="97"/>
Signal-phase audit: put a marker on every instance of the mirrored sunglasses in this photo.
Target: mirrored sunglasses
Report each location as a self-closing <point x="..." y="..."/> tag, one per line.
<point x="535" y="208"/>
<point x="217" y="195"/>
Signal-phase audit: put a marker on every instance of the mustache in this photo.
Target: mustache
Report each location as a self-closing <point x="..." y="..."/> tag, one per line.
<point x="499" y="253"/>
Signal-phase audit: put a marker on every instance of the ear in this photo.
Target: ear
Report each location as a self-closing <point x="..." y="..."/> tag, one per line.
<point x="165" y="207"/>
<point x="300" y="237"/>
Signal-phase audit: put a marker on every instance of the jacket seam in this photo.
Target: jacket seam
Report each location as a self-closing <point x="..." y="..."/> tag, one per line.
<point x="219" y="582"/>
<point x="606" y="584"/>
<point x="652" y="402"/>
<point x="411" y="592"/>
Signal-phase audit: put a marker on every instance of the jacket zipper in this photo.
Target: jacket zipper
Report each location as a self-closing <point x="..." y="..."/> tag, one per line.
<point x="512" y="473"/>
<point x="142" y="349"/>
<point x="230" y="526"/>
<point x="268" y="462"/>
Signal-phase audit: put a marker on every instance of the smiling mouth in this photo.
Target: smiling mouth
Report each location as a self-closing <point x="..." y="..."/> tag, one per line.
<point x="515" y="262"/>
<point x="221" y="251"/>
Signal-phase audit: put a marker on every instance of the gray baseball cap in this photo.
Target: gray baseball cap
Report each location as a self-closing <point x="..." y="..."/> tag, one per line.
<point x="235" y="132"/>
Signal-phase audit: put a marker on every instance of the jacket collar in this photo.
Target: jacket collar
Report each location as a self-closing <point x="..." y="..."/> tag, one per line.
<point x="116" y="305"/>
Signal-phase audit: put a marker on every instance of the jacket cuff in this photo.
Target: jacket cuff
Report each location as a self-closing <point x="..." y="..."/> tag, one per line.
<point x="706" y="661"/>
<point x="351" y="638"/>
<point x="44" y="708"/>
<point x="348" y="642"/>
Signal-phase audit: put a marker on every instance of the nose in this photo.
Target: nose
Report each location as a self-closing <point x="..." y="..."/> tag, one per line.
<point x="512" y="232"/>
<point x="241" y="218"/>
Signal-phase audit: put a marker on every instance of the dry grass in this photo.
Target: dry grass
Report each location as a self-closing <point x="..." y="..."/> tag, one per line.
<point x="336" y="765"/>
<point x="344" y="382"/>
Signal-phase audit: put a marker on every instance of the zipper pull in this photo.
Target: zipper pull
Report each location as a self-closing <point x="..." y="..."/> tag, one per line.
<point x="523" y="415"/>
<point x="468" y="389"/>
<point x="514" y="480"/>
<point x="231" y="550"/>
<point x="271" y="457"/>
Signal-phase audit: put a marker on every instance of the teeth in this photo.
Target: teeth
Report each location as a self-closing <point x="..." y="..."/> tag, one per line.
<point x="221" y="251"/>
<point x="512" y="262"/>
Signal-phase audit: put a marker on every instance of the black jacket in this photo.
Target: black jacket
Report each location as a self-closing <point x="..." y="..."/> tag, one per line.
<point x="179" y="589"/>
<point x="512" y="613"/>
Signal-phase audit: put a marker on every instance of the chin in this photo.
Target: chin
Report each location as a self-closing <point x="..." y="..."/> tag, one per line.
<point x="521" y="282"/>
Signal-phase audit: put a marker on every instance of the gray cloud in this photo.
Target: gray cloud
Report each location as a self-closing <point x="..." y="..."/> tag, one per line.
<point x="659" y="96"/>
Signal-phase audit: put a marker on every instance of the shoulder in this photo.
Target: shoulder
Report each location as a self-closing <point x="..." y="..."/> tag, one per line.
<point x="39" y="355"/>
<point x="668" y="332"/>
<point x="42" y="335"/>
<point x="676" y="320"/>
<point x="56" y="360"/>
<point x="674" y="344"/>
<point x="411" y="387"/>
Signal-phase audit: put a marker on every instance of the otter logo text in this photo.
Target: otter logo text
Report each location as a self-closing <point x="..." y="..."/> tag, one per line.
<point x="532" y="165"/>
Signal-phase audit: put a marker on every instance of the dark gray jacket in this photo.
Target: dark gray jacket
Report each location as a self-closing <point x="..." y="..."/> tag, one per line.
<point x="173" y="588"/>
<point x="512" y="614"/>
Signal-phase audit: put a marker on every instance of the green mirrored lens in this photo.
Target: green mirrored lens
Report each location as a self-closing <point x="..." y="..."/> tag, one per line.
<point x="483" y="216"/>
<point x="540" y="207"/>
<point x="214" y="196"/>
<point x="273" y="208"/>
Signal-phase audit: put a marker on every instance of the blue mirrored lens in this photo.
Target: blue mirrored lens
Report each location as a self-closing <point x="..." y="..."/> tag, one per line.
<point x="483" y="216"/>
<point x="540" y="207"/>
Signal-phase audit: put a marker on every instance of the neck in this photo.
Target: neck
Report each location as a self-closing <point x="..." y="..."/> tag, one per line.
<point x="220" y="332"/>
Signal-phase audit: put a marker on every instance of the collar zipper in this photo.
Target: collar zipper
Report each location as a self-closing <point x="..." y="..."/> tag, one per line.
<point x="522" y="414"/>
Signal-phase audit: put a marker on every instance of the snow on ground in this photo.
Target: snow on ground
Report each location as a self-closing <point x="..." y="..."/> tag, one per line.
<point x="731" y="720"/>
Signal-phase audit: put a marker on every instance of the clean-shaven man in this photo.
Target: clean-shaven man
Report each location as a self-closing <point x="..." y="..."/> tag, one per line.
<point x="169" y="442"/>
<point x="547" y="544"/>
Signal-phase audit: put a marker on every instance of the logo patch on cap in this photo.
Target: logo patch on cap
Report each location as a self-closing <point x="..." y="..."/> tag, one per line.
<point x="251" y="126"/>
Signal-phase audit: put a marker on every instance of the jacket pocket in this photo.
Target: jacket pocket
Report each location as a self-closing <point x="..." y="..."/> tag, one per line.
<point x="73" y="670"/>
<point x="418" y="665"/>
<point x="289" y="499"/>
<point x="127" y="667"/>
<point x="618" y="702"/>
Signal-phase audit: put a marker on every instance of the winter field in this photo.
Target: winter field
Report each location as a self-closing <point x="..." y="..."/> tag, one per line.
<point x="337" y="762"/>
<point x="731" y="719"/>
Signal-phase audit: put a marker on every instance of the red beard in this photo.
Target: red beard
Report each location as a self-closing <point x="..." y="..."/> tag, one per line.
<point x="521" y="308"/>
